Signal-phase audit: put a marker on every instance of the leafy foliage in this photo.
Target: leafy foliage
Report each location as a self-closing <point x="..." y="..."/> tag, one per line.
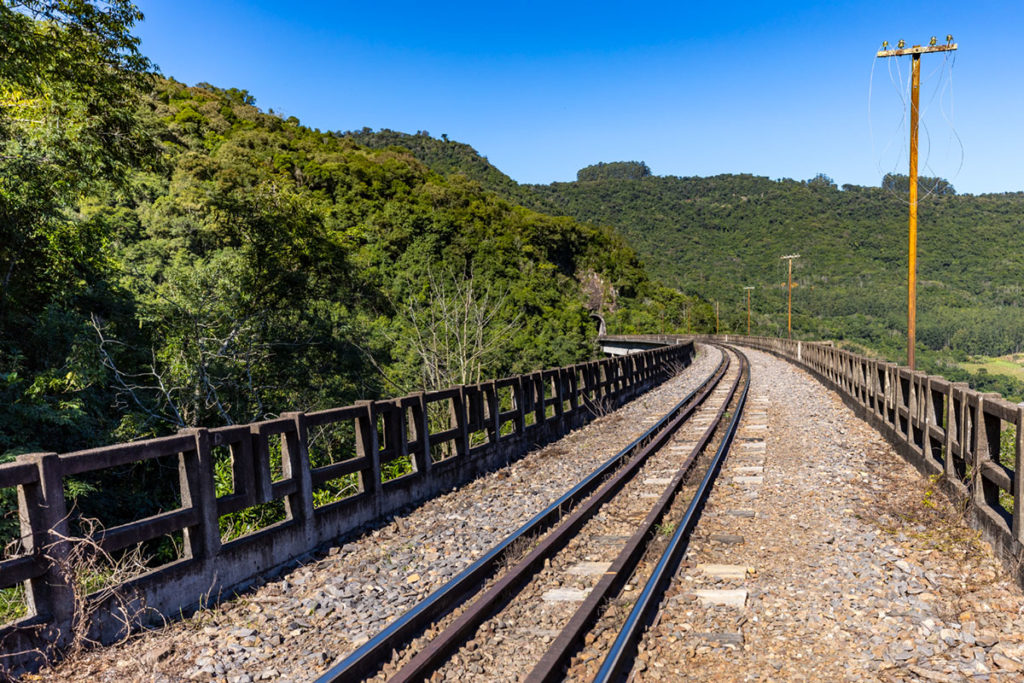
<point x="444" y="156"/>
<point x="70" y="78"/>
<point x="710" y="237"/>
<point x="896" y="182"/>
<point x="255" y="266"/>
<point x="616" y="170"/>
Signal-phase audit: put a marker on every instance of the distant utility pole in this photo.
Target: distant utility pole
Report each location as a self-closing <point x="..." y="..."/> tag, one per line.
<point x="716" y="317"/>
<point x="915" y="86"/>
<point x="748" y="309"/>
<point x="789" y="289"/>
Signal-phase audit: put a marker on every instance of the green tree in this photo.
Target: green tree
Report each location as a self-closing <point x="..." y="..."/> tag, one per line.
<point x="616" y="170"/>
<point x="900" y="184"/>
<point x="70" y="126"/>
<point x="69" y="82"/>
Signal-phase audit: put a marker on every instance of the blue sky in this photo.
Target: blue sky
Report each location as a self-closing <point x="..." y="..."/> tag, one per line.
<point x="543" y="89"/>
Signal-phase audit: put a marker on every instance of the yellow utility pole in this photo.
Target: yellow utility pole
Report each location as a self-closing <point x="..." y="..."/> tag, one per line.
<point x="789" y="289"/>
<point x="915" y="86"/>
<point x="748" y="309"/>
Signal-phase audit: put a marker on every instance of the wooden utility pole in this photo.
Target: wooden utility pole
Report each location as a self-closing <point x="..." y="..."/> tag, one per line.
<point x="716" y="317"/>
<point x="748" y="309"/>
<point x="915" y="86"/>
<point x="789" y="289"/>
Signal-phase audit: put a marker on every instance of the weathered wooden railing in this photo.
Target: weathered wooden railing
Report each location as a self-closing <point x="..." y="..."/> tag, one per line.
<point x="970" y="441"/>
<point x="438" y="439"/>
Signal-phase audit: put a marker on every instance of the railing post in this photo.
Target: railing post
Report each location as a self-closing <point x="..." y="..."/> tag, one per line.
<point x="422" y="425"/>
<point x="43" y="515"/>
<point x="592" y="382"/>
<point x="519" y="403"/>
<point x="979" y="445"/>
<point x="493" y="409"/>
<point x="536" y="381"/>
<point x="933" y="417"/>
<point x="873" y="387"/>
<point x="911" y="399"/>
<point x="295" y="466"/>
<point x="559" y="393"/>
<point x="260" y="448"/>
<point x="965" y="430"/>
<point x="987" y="492"/>
<point x="368" y="446"/>
<point x="199" y="492"/>
<point x="1018" y="478"/>
<point x="884" y="388"/>
<point x="952" y="427"/>
<point x="460" y="420"/>
<point x="604" y="377"/>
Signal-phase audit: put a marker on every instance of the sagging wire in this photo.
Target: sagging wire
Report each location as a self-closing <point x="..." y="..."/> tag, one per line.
<point x="946" y="84"/>
<point x="902" y="87"/>
<point x="897" y="82"/>
<point x="949" y="120"/>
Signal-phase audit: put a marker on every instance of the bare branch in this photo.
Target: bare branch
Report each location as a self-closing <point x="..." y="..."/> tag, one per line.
<point x="132" y="389"/>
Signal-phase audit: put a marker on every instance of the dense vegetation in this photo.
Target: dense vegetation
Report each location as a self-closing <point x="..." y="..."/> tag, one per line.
<point x="716" y="235"/>
<point x="173" y="256"/>
<point x="616" y="170"/>
<point x="710" y="237"/>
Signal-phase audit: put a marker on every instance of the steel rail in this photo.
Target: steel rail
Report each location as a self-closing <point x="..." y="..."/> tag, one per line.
<point x="552" y="663"/>
<point x="368" y="658"/>
<point x="624" y="648"/>
<point x="451" y="638"/>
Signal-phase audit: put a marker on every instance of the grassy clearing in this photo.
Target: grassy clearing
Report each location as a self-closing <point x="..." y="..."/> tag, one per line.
<point x="1011" y="365"/>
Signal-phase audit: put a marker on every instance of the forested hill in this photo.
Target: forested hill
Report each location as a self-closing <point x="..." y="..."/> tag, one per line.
<point x="443" y="156"/>
<point x="712" y="236"/>
<point x="716" y="235"/>
<point x="243" y="265"/>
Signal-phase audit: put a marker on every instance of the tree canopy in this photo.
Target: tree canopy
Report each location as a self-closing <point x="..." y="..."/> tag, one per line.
<point x="251" y="265"/>
<point x="616" y="170"/>
<point x="70" y="126"/>
<point x="710" y="237"/>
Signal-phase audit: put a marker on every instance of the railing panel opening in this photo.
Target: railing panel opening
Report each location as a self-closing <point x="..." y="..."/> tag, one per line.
<point x="267" y="474"/>
<point x="14" y="552"/>
<point x="443" y="421"/>
<point x="510" y="420"/>
<point x="331" y="446"/>
<point x="549" y="397"/>
<point x="111" y="539"/>
<point x="477" y="399"/>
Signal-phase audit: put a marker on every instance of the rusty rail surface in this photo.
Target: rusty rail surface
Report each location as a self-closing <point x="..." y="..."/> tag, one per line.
<point x="971" y="442"/>
<point x="444" y="437"/>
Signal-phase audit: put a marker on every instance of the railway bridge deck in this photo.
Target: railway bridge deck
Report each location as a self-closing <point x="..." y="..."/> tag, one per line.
<point x="821" y="555"/>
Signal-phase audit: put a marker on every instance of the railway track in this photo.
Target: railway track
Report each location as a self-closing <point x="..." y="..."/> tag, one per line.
<point x="595" y="562"/>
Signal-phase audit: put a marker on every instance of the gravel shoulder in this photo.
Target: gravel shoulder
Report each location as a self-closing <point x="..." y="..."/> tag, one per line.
<point x="857" y="569"/>
<point x="295" y="627"/>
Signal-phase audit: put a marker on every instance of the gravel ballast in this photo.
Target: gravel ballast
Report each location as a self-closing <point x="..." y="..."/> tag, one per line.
<point x="856" y="568"/>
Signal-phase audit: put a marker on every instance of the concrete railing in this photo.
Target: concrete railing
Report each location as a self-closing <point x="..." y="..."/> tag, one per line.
<point x="436" y="440"/>
<point x="970" y="441"/>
